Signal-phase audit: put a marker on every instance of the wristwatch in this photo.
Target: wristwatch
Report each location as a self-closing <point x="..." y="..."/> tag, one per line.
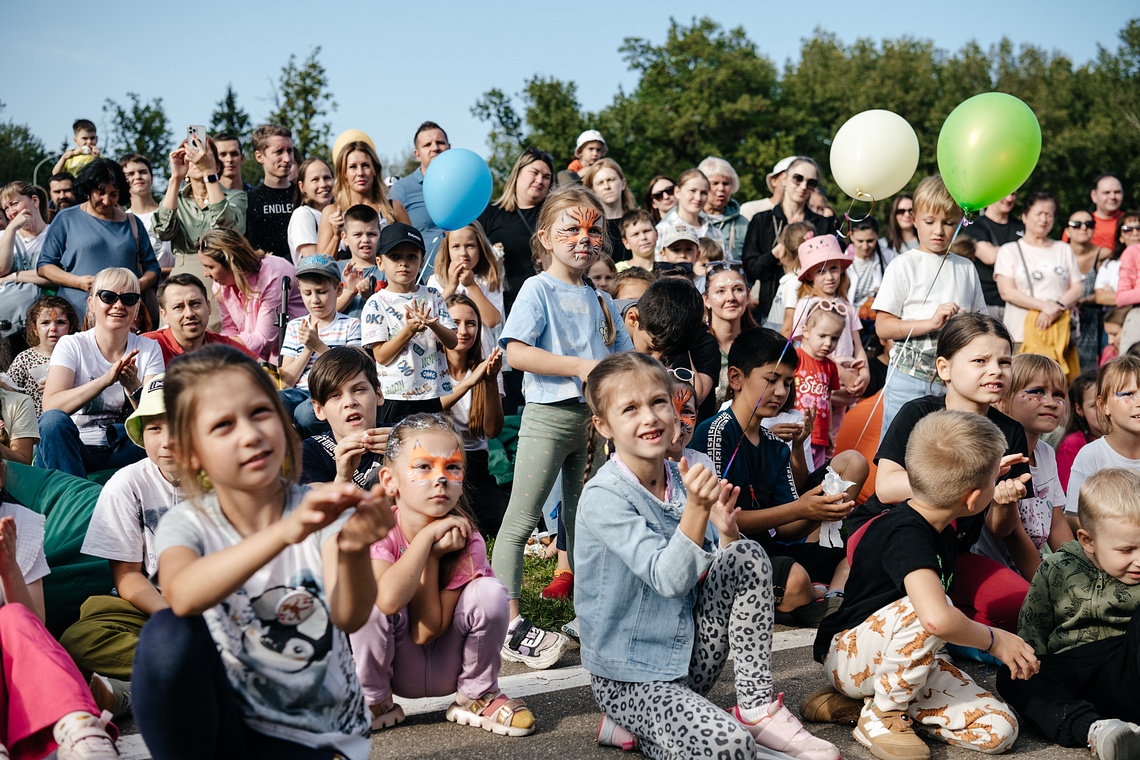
<point x="212" y="178"/>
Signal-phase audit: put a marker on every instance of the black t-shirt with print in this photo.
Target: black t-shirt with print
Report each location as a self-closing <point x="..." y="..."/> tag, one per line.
<point x="267" y="224"/>
<point x="892" y="446"/>
<point x="899" y="543"/>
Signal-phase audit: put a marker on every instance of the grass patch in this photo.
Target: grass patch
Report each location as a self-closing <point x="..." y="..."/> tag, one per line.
<point x="548" y="614"/>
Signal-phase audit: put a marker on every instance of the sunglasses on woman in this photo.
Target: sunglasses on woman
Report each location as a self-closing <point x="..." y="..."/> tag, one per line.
<point x="661" y="195"/>
<point x="110" y="298"/>
<point x="1077" y="225"/>
<point x="1129" y="228"/>
<point x="904" y="211"/>
<point x="799" y="179"/>
<point x="541" y="155"/>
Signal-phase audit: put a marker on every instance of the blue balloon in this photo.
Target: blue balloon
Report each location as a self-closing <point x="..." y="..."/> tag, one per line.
<point x="457" y="187"/>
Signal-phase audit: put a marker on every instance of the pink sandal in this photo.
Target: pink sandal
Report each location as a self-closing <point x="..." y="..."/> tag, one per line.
<point x="494" y="712"/>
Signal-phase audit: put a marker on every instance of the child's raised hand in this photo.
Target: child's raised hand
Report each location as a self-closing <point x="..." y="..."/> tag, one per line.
<point x="1018" y="656"/>
<point x="8" y="545"/>
<point x="370" y="523"/>
<point x="413" y="315"/>
<point x="805" y="429"/>
<point x="321" y="507"/>
<point x="943" y="313"/>
<point x="455" y="273"/>
<point x="347" y="455"/>
<point x="702" y="486"/>
<point x="724" y="513"/>
<point x="1009" y="460"/>
<point x="1011" y="490"/>
<point x="308" y="335"/>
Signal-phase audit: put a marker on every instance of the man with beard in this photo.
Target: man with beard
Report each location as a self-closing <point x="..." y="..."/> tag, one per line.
<point x="185" y="311"/>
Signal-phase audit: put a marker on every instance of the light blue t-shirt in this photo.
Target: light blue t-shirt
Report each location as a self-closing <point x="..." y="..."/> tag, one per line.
<point x="81" y="244"/>
<point x="566" y="320"/>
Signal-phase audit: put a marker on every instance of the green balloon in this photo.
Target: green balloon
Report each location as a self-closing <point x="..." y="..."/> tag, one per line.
<point x="987" y="148"/>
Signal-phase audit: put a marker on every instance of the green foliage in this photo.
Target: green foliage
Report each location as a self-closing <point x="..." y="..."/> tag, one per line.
<point x="230" y="118"/>
<point x="20" y="151"/>
<point x="139" y="127"/>
<point x="301" y="101"/>
<point x="710" y="91"/>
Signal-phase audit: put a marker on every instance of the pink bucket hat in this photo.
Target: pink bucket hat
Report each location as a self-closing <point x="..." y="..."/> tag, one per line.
<point x="819" y="250"/>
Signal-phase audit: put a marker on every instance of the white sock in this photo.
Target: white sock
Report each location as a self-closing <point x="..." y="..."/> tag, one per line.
<point x="755" y="714"/>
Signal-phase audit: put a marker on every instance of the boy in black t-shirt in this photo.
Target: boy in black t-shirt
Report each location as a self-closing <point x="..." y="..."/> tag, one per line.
<point x="881" y="648"/>
<point x="761" y="369"/>
<point x="345" y="392"/>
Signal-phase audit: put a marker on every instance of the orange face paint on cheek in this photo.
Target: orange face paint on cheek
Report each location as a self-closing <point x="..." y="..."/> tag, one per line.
<point x="447" y="468"/>
<point x="688" y="419"/>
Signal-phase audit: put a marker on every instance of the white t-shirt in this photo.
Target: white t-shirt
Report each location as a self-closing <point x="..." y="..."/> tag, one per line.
<point x="303" y="226"/>
<point x="126" y="516"/>
<point x="343" y="331"/>
<point x="494" y="296"/>
<point x="1054" y="270"/>
<point x="1108" y="275"/>
<point x="867" y="274"/>
<point x="1090" y="460"/>
<point x="290" y="668"/>
<point x="461" y="413"/>
<point x="787" y="294"/>
<point x="914" y="286"/>
<point x="419" y="372"/>
<point x="80" y="354"/>
<point x="30" y="554"/>
<point x="162" y="248"/>
<point x="1036" y="511"/>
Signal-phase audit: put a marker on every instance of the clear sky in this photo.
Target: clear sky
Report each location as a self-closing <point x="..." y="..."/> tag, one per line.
<point x="393" y="65"/>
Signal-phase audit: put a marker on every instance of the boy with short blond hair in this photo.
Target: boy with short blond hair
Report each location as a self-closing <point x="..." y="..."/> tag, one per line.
<point x="1079" y="616"/>
<point x="880" y="650"/>
<point x="361" y="276"/>
<point x="86" y="150"/>
<point x="921" y="290"/>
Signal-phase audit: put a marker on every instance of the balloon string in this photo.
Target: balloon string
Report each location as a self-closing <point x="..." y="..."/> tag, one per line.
<point x="850" y="221"/>
<point x="892" y="367"/>
<point x="424" y="269"/>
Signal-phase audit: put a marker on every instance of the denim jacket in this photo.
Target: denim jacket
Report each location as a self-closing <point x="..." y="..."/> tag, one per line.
<point x="636" y="578"/>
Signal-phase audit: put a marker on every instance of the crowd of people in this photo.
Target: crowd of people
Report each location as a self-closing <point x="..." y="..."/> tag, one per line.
<point x="258" y="435"/>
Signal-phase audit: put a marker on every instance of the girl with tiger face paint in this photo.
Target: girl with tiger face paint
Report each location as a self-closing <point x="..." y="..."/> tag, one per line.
<point x="576" y="241"/>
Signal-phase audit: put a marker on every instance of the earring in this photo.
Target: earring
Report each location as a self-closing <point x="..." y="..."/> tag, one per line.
<point x="204" y="481"/>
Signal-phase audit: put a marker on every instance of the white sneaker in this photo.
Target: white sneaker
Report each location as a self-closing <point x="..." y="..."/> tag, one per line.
<point x="1114" y="739"/>
<point x="82" y="736"/>
<point x="532" y="646"/>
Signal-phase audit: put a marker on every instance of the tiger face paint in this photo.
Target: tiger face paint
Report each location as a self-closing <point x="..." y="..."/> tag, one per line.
<point x="426" y="468"/>
<point x="685" y="406"/>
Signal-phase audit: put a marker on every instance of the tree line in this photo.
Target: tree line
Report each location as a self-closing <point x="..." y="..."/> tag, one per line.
<point x="711" y="91"/>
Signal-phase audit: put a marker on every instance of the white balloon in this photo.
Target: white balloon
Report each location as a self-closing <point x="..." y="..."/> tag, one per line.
<point x="874" y="155"/>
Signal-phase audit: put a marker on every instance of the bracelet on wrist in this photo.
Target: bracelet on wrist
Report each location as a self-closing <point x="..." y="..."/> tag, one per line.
<point x="1063" y="306"/>
<point x="991" y="646"/>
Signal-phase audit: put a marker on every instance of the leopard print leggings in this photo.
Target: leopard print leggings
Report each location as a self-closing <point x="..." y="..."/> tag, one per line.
<point x="673" y="719"/>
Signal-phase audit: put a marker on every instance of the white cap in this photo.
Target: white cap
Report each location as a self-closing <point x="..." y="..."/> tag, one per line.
<point x="781" y="166"/>
<point x="589" y="136"/>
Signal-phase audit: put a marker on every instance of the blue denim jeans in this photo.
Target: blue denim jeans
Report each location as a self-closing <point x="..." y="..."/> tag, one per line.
<point x="300" y="408"/>
<point x="60" y="447"/>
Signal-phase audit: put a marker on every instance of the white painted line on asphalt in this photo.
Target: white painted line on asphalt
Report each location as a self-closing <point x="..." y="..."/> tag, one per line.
<point x="522" y="685"/>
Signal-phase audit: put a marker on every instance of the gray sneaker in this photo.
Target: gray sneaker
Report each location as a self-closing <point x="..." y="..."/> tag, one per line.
<point x="111" y="694"/>
<point x="1114" y="739"/>
<point x="571" y="628"/>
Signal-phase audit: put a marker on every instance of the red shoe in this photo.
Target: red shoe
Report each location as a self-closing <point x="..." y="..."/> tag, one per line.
<point x="561" y="587"/>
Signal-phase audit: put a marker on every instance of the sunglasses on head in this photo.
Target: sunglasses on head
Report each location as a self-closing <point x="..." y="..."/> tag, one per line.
<point x="826" y="304"/>
<point x="1077" y="225"/>
<point x="903" y="211"/>
<point x="661" y="195"/>
<point x="684" y="374"/>
<point x="540" y="155"/>
<point x="715" y="266"/>
<point x="110" y="298"/>
<point x="799" y="179"/>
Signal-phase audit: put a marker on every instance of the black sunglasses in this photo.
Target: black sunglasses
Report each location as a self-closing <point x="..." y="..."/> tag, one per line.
<point x="902" y="211"/>
<point x="661" y="195"/>
<point x="540" y="155"/>
<point x="799" y="179"/>
<point x="1077" y="225"/>
<point x="1129" y="228"/>
<point x="110" y="298"/>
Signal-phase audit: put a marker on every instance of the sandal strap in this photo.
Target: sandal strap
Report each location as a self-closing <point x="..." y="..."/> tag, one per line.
<point x="520" y="633"/>
<point x="506" y="711"/>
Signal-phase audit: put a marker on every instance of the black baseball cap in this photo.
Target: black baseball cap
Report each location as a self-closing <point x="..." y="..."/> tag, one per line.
<point x="398" y="232"/>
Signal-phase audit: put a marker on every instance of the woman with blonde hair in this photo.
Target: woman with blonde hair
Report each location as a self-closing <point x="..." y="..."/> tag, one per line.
<point x="607" y="180"/>
<point x="248" y="289"/>
<point x="95" y="381"/>
<point x="359" y="180"/>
